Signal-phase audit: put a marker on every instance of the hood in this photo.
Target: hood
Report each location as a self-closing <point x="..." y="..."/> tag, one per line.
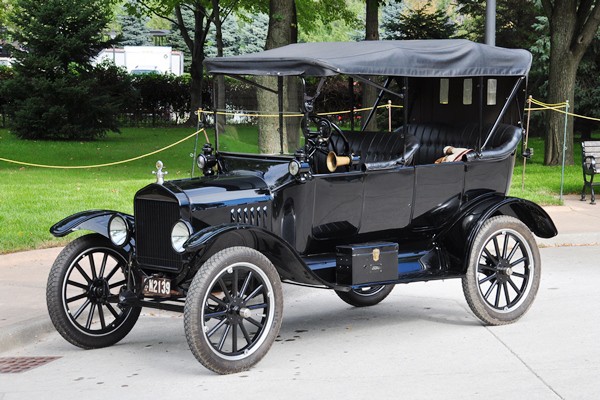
<point x="209" y="192"/>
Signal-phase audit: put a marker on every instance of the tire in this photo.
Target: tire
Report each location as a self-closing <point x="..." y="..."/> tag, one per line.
<point x="503" y="275"/>
<point x="233" y="310"/>
<point x="82" y="293"/>
<point x="367" y="296"/>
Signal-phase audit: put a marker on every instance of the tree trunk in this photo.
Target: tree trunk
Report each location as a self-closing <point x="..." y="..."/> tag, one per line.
<point x="279" y="34"/>
<point x="561" y="87"/>
<point x="573" y="25"/>
<point x="196" y="47"/>
<point x="292" y="87"/>
<point x="220" y="122"/>
<point x="369" y="93"/>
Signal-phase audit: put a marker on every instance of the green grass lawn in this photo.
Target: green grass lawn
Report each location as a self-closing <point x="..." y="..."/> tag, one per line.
<point x="32" y="199"/>
<point x="542" y="183"/>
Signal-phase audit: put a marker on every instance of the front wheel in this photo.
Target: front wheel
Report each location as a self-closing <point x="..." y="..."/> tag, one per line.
<point x="366" y="296"/>
<point x="82" y="293"/>
<point x="233" y="310"/>
<point x="503" y="275"/>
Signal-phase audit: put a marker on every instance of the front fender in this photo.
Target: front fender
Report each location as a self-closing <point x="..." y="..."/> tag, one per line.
<point x="459" y="238"/>
<point x="286" y="260"/>
<point x="92" y="220"/>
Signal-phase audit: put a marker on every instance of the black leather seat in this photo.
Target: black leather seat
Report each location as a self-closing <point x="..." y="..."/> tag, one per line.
<point x="377" y="150"/>
<point x="434" y="137"/>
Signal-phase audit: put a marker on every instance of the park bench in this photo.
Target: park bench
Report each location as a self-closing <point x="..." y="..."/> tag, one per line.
<point x="590" y="152"/>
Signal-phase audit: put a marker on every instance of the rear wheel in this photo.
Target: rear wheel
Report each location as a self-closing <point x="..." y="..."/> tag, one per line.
<point x="233" y="310"/>
<point x="366" y="296"/>
<point x="504" y="269"/>
<point x="82" y="293"/>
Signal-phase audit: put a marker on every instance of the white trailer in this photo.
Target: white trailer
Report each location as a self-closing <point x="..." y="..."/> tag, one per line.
<point x="145" y="59"/>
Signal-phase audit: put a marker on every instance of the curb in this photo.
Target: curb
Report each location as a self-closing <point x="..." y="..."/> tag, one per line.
<point x="25" y="332"/>
<point x="570" y="239"/>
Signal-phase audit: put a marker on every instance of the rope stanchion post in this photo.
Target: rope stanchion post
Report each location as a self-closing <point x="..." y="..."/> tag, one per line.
<point x="526" y="140"/>
<point x="389" y="107"/>
<point x="564" y="150"/>
<point x="199" y="113"/>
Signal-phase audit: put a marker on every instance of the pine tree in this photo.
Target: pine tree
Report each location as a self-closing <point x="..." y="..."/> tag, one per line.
<point x="420" y="23"/>
<point x="134" y="31"/>
<point x="54" y="93"/>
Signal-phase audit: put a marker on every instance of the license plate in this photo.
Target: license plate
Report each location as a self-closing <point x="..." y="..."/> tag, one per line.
<point x="157" y="287"/>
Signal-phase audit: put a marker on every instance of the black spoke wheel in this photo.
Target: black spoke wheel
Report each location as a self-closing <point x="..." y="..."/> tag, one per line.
<point x="233" y="310"/>
<point x="365" y="296"/>
<point x="82" y="293"/>
<point x="503" y="275"/>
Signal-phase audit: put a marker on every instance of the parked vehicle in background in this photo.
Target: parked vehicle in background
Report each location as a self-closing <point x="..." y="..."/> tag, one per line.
<point x="349" y="210"/>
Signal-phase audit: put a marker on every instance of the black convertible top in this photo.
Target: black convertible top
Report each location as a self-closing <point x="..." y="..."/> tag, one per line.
<point x="411" y="58"/>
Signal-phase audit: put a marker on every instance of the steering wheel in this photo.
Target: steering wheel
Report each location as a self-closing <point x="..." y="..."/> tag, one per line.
<point x="325" y="130"/>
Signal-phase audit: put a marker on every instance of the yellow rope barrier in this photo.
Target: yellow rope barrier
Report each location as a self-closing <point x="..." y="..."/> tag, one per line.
<point x="198" y="112"/>
<point x="540" y="103"/>
<point x="101" y="165"/>
<point x="541" y="106"/>
<point x="557" y="107"/>
<point x="293" y="115"/>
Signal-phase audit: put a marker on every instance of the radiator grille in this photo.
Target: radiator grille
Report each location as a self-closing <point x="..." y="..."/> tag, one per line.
<point x="250" y="215"/>
<point x="154" y="221"/>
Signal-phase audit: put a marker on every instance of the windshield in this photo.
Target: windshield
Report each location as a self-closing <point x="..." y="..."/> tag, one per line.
<point x="264" y="115"/>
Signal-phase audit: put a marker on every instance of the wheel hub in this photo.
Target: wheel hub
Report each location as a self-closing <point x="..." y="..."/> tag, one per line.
<point x="99" y="291"/>
<point x="236" y="312"/>
<point x="504" y="271"/>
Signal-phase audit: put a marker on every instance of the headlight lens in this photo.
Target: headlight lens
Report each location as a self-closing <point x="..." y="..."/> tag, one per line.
<point x="294" y="167"/>
<point x="117" y="230"/>
<point x="201" y="161"/>
<point x="180" y="233"/>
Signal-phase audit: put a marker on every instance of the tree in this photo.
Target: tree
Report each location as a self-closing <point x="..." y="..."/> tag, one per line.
<point x="573" y="26"/>
<point x="419" y="23"/>
<point x="282" y="31"/>
<point x="194" y="35"/>
<point x="369" y="94"/>
<point x="514" y="19"/>
<point x="54" y="92"/>
<point x="134" y="31"/>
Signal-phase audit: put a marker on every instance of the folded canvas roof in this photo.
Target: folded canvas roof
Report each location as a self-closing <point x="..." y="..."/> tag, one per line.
<point x="411" y="58"/>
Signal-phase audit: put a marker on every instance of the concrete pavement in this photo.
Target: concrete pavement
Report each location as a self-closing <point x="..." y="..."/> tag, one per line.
<point x="422" y="342"/>
<point x="25" y="325"/>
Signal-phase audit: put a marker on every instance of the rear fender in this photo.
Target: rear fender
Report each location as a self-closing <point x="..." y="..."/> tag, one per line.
<point x="288" y="262"/>
<point x="459" y="238"/>
<point x="93" y="220"/>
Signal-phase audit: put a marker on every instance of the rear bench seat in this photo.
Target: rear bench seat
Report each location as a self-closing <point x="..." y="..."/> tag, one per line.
<point x="424" y="144"/>
<point x="433" y="138"/>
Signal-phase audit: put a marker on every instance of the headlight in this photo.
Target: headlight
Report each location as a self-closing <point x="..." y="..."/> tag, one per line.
<point x="179" y="234"/>
<point x="117" y="230"/>
<point x="294" y="167"/>
<point x="201" y="161"/>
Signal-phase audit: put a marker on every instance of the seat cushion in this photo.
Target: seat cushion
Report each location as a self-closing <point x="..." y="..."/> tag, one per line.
<point x="434" y="137"/>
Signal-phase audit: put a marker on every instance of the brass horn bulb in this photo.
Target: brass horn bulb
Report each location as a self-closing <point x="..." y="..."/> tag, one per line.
<point x="334" y="161"/>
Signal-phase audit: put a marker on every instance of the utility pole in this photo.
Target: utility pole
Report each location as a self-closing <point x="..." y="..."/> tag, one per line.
<point x="490" y="22"/>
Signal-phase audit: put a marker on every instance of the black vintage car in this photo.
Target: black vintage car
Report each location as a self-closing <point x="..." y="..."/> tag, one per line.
<point x="349" y="210"/>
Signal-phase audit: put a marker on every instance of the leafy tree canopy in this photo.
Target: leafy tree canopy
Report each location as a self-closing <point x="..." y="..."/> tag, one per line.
<point x="514" y="21"/>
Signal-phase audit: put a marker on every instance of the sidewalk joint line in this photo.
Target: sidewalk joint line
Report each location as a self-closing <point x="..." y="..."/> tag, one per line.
<point x="524" y="363"/>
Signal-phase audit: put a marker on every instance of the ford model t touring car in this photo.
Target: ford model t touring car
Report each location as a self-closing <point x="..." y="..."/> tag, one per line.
<point x="351" y="210"/>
